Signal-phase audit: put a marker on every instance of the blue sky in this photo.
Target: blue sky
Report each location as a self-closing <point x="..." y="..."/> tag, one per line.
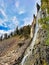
<point x="15" y="13"/>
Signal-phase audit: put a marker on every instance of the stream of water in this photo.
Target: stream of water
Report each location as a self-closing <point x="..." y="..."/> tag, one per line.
<point x="33" y="41"/>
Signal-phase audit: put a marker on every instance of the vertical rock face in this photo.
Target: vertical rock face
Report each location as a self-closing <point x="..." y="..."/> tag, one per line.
<point x="40" y="52"/>
<point x="33" y="27"/>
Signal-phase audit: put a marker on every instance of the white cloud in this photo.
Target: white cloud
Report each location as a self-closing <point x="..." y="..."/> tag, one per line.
<point x="3" y="13"/>
<point x="14" y="18"/>
<point x="2" y="32"/>
<point x="14" y="22"/>
<point x="12" y="25"/>
<point x="19" y="8"/>
<point x="28" y="21"/>
<point x="17" y="4"/>
<point x="21" y="12"/>
<point x="38" y="1"/>
<point x="3" y="23"/>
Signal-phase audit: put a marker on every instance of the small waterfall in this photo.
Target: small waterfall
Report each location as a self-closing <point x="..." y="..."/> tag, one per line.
<point x="22" y="63"/>
<point x="33" y="41"/>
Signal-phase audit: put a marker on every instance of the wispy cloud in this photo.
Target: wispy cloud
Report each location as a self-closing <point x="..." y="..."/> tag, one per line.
<point x="21" y="12"/>
<point x="16" y="12"/>
<point x="17" y="4"/>
<point x="3" y="13"/>
<point x="19" y="8"/>
<point x="13" y="22"/>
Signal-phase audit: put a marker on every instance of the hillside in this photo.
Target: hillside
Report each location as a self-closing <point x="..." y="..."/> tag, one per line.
<point x="12" y="47"/>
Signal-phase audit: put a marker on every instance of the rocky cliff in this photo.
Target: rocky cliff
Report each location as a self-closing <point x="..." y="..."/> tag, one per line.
<point x="40" y="52"/>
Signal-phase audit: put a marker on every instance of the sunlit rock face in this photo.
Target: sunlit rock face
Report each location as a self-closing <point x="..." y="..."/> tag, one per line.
<point x="33" y="27"/>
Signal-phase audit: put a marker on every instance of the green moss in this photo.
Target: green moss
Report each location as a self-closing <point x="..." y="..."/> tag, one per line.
<point x="45" y="25"/>
<point x="44" y="22"/>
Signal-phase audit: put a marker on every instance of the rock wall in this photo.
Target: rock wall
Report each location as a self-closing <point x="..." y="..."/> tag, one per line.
<point x="40" y="52"/>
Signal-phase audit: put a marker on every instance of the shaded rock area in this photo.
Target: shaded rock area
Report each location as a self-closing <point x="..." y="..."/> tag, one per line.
<point x="40" y="52"/>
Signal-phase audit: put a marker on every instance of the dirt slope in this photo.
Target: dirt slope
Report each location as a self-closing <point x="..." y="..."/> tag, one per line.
<point x="11" y="49"/>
